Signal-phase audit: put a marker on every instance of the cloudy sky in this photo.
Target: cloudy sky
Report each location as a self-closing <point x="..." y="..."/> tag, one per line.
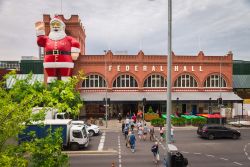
<point x="213" y="26"/>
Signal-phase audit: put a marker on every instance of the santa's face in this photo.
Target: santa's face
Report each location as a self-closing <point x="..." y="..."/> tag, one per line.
<point x="57" y="30"/>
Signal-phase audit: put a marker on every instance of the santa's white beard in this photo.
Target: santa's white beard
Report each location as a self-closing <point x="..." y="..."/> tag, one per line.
<point x="57" y="35"/>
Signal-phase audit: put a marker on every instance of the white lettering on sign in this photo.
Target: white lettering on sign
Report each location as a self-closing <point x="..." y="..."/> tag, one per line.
<point x="161" y="68"/>
<point x="127" y="67"/>
<point x="192" y="68"/>
<point x="153" y="68"/>
<point x="176" y="68"/>
<point x="110" y="68"/>
<point x="200" y="68"/>
<point x="136" y="68"/>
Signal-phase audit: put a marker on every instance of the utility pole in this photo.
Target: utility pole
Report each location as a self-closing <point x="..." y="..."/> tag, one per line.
<point x="169" y="66"/>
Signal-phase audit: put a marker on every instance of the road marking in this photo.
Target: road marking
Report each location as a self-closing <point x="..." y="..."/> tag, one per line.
<point x="119" y="152"/>
<point x="185" y="152"/>
<point x="245" y="150"/>
<point x="197" y="153"/>
<point x="224" y="159"/>
<point x="237" y="163"/>
<point x="101" y="144"/>
<point x="208" y="155"/>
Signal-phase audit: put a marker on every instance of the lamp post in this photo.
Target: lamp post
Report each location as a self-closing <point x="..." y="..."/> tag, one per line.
<point x="169" y="102"/>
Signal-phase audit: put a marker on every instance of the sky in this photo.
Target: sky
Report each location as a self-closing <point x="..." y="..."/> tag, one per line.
<point x="213" y="26"/>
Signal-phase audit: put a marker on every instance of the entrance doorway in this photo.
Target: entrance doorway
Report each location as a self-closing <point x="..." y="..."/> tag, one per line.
<point x="183" y="109"/>
<point x="194" y="109"/>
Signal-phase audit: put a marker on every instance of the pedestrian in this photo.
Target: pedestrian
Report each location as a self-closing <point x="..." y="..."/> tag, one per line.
<point x="123" y="126"/>
<point x="126" y="128"/>
<point x="145" y="132"/>
<point x="152" y="132"/>
<point x="119" y="117"/>
<point x="134" y="118"/>
<point x="140" y="132"/>
<point x="161" y="134"/>
<point x="128" y="140"/>
<point x="172" y="134"/>
<point x="132" y="140"/>
<point x="155" y="151"/>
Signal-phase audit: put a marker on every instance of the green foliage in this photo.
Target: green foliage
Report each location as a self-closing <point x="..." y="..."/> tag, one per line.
<point x="150" y="110"/>
<point x="158" y="122"/>
<point x="15" y="112"/>
<point x="46" y="152"/>
<point x="198" y="121"/>
<point x="178" y="121"/>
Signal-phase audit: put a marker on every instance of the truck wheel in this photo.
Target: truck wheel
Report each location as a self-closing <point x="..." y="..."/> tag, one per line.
<point x="91" y="133"/>
<point x="74" y="146"/>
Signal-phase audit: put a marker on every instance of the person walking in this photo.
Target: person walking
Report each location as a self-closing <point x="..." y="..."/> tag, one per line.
<point x="172" y="135"/>
<point x="128" y="139"/>
<point x="126" y="128"/>
<point x="155" y="151"/>
<point x="145" y="132"/>
<point x="140" y="132"/>
<point x="161" y="134"/>
<point x="119" y="117"/>
<point x="152" y="132"/>
<point x="132" y="140"/>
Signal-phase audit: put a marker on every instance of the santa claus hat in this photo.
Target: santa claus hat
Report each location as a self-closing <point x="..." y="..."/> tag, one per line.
<point x="57" y="18"/>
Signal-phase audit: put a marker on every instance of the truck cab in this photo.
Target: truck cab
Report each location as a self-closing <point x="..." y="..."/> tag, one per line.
<point x="78" y="137"/>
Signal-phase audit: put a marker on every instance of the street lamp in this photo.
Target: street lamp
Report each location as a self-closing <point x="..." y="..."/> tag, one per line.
<point x="169" y="102"/>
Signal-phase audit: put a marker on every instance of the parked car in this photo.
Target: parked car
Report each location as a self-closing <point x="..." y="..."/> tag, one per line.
<point x="91" y="128"/>
<point x="217" y="131"/>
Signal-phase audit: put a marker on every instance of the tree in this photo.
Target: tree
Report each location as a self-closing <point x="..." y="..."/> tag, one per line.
<point x="16" y="111"/>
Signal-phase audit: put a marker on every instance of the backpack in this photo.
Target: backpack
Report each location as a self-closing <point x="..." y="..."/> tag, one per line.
<point x="153" y="148"/>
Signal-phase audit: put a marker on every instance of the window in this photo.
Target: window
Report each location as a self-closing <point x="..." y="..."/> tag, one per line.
<point x="94" y="81"/>
<point x="215" y="81"/>
<point x="77" y="134"/>
<point x="125" y="81"/>
<point x="155" y="81"/>
<point x="185" y="81"/>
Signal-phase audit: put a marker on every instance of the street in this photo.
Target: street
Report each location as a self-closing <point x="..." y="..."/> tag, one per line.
<point x="109" y="147"/>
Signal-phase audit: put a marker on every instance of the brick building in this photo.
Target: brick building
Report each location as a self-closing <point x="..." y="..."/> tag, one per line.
<point x="197" y="80"/>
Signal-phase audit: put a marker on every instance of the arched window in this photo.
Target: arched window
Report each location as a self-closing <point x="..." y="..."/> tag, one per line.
<point x="94" y="81"/>
<point x="155" y="81"/>
<point x="185" y="81"/>
<point x="215" y="81"/>
<point x="125" y="81"/>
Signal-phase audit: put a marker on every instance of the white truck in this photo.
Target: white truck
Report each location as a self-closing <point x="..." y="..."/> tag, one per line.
<point x="50" y="113"/>
<point x="74" y="136"/>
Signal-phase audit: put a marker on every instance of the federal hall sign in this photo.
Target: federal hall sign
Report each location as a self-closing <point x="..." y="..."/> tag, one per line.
<point x="123" y="68"/>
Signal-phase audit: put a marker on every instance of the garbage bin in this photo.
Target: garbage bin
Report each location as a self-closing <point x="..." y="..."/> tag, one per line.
<point x="177" y="160"/>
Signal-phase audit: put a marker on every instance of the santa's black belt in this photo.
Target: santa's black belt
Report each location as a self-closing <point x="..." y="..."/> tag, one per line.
<point x="57" y="52"/>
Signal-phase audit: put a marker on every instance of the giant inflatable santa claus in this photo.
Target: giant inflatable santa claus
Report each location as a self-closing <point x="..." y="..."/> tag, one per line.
<point x="59" y="50"/>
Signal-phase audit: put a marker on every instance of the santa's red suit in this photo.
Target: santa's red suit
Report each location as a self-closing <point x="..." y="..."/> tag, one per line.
<point x="57" y="50"/>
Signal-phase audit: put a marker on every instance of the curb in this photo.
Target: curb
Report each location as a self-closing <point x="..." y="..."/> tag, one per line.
<point x="90" y="152"/>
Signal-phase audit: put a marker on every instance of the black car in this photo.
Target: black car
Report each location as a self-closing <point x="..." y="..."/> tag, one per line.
<point x="217" y="131"/>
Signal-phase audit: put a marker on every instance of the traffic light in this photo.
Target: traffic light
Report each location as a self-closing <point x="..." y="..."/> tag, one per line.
<point x="220" y="101"/>
<point x="108" y="101"/>
<point x="144" y="101"/>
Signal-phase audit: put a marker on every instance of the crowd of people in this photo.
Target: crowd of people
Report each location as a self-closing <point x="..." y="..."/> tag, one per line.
<point x="135" y="124"/>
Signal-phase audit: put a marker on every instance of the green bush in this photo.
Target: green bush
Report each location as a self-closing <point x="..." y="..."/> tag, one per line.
<point x="198" y="121"/>
<point x="158" y="122"/>
<point x="178" y="121"/>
